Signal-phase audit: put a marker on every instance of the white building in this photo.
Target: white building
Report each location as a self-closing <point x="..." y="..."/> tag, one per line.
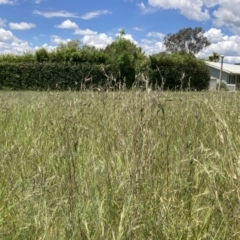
<point x="230" y="75"/>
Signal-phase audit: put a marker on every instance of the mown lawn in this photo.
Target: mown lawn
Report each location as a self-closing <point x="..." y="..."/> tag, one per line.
<point x="123" y="165"/>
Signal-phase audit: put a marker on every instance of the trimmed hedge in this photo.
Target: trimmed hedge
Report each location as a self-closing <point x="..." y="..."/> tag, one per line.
<point x="50" y="76"/>
<point x="176" y="71"/>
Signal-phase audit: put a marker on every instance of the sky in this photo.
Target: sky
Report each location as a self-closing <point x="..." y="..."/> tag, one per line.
<point x="27" y="25"/>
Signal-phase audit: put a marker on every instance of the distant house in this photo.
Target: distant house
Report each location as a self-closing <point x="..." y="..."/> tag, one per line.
<point x="230" y="75"/>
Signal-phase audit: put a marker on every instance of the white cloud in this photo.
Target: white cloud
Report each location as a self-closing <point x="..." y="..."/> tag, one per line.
<point x="89" y="37"/>
<point x="214" y="35"/>
<point x="228" y="15"/>
<point x="147" y="41"/>
<point x="212" y="3"/>
<point x="191" y="9"/>
<point x="57" y="40"/>
<point x="55" y="14"/>
<point x="2" y="22"/>
<point x="156" y="35"/>
<point x="130" y="38"/>
<point x="67" y="24"/>
<point x="66" y="14"/>
<point x="84" y="32"/>
<point x="154" y="43"/>
<point x="223" y="45"/>
<point x="91" y="15"/>
<point x="48" y="47"/>
<point x="138" y="29"/>
<point x="6" y="36"/>
<point x="19" y="47"/>
<point x="11" y="44"/>
<point x="145" y="9"/>
<point x="21" y="26"/>
<point x="99" y="41"/>
<point x="151" y="46"/>
<point x="7" y="2"/>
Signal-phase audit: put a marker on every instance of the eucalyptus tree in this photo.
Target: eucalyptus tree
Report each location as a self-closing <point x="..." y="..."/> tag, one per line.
<point x="186" y="40"/>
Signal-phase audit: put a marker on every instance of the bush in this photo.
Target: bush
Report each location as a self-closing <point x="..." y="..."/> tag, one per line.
<point x="179" y="72"/>
<point x="50" y="76"/>
<point x="71" y="67"/>
<point x="223" y="86"/>
<point x="42" y="55"/>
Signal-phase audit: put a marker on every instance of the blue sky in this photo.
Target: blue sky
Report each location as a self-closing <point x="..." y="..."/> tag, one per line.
<point x="26" y="25"/>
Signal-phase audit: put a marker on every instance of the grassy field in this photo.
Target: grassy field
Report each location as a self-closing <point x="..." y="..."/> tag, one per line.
<point x="124" y="165"/>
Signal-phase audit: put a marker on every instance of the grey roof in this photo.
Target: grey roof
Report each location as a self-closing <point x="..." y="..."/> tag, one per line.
<point x="228" y="68"/>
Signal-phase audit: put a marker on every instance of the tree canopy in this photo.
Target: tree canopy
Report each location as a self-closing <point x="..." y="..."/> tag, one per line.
<point x="179" y="72"/>
<point x="214" y="57"/>
<point x="121" y="64"/>
<point x="186" y="40"/>
<point x="125" y="58"/>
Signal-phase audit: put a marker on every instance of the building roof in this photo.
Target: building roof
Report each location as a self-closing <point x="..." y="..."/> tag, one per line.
<point x="228" y="68"/>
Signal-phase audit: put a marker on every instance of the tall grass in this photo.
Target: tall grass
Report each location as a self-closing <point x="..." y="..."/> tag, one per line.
<point x="124" y="165"/>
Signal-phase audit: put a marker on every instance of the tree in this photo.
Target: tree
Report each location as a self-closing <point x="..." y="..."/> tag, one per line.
<point x="179" y="72"/>
<point x="74" y="52"/>
<point x="121" y="32"/>
<point x="73" y="44"/>
<point x="187" y="40"/>
<point x="68" y="51"/>
<point x="42" y="55"/>
<point x="214" y="57"/>
<point x="125" y="59"/>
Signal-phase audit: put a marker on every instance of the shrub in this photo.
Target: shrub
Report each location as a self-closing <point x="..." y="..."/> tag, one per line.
<point x="50" y="76"/>
<point x="179" y="71"/>
<point x="223" y="86"/>
<point x="42" y="55"/>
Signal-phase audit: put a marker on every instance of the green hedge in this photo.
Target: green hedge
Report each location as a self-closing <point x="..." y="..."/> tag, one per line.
<point x="172" y="68"/>
<point x="50" y="76"/>
<point x="179" y="72"/>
